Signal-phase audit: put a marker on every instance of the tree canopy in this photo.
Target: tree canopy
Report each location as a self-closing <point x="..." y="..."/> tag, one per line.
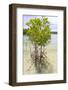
<point x="39" y="31"/>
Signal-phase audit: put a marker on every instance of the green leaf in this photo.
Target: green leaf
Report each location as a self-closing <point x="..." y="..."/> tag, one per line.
<point x="39" y="31"/>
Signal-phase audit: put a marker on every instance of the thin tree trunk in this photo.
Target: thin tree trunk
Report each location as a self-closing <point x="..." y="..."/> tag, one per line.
<point x="36" y="54"/>
<point x="41" y="55"/>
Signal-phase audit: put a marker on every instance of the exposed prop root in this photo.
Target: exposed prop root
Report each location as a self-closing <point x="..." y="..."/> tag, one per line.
<point x="40" y="60"/>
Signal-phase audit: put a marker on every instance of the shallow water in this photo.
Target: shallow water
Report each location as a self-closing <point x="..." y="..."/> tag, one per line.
<point x="29" y="67"/>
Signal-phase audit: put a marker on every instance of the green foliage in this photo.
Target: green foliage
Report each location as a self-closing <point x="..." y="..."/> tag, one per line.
<point x="39" y="31"/>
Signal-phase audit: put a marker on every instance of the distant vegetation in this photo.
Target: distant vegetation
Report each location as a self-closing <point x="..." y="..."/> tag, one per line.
<point x="25" y="31"/>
